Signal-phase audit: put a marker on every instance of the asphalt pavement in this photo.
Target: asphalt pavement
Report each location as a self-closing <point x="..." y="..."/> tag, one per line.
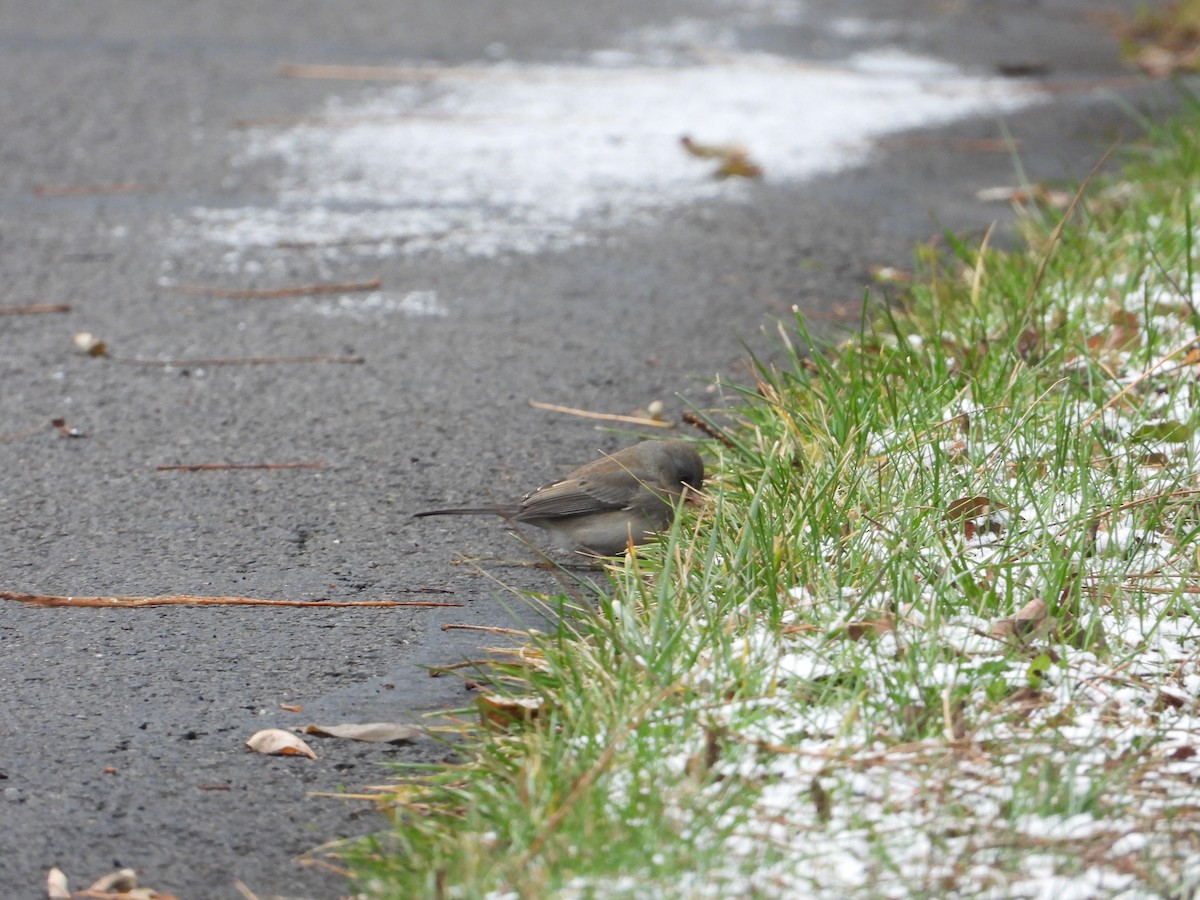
<point x="122" y="730"/>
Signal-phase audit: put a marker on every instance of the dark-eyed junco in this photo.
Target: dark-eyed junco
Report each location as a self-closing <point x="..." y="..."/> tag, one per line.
<point x="603" y="506"/>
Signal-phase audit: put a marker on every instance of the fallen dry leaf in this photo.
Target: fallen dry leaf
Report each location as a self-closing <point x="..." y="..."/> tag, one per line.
<point x="1027" y="699"/>
<point x="371" y="732"/>
<point x="1167" y="700"/>
<point x="705" y="151"/>
<point x="121" y="881"/>
<point x="974" y="514"/>
<point x="1029" y="620"/>
<point x="821" y="800"/>
<point x="67" y="430"/>
<point x="1160" y="62"/>
<point x="1125" y="333"/>
<point x="738" y="165"/>
<point x="277" y="742"/>
<point x="871" y="628"/>
<point x="86" y="342"/>
<point x="502" y="713"/>
<point x="971" y="508"/>
<point x="735" y="161"/>
<point x="56" y="885"/>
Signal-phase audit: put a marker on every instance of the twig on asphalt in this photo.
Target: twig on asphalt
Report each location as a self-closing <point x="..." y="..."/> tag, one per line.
<point x="301" y="290"/>
<point x="970" y="145"/>
<point x="16" y="436"/>
<point x="376" y="73"/>
<point x="59" y="424"/>
<point x="318" y="120"/>
<point x="435" y="671"/>
<point x="235" y="361"/>
<point x="35" y="309"/>
<point x="490" y="629"/>
<point x="54" y="600"/>
<point x="68" y="190"/>
<point x="362" y="240"/>
<point x="607" y="417"/>
<point x="221" y="467"/>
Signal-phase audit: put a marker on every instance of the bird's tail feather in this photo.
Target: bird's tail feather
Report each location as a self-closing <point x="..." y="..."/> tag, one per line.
<point x="462" y="511"/>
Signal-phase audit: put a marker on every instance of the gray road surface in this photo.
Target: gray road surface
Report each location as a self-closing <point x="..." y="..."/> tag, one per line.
<point x="114" y="722"/>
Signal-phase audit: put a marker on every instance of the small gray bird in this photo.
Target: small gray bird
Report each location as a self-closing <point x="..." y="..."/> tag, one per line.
<point x="602" y="506"/>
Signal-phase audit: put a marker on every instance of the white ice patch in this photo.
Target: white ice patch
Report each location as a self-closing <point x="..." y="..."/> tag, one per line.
<point x="377" y="303"/>
<point x="500" y="159"/>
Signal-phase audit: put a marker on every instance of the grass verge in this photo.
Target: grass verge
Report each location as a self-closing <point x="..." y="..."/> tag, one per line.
<point x="934" y="634"/>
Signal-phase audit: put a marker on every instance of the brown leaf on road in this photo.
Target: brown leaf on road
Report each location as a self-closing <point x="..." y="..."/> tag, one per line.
<point x="88" y="343"/>
<point x="119" y="882"/>
<point x="370" y="732"/>
<point x="734" y="160"/>
<point x="119" y="885"/>
<point x="65" y="429"/>
<point x="277" y="742"/>
<point x="57" y="887"/>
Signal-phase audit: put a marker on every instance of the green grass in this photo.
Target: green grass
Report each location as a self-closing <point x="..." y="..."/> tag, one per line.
<point x="933" y="634"/>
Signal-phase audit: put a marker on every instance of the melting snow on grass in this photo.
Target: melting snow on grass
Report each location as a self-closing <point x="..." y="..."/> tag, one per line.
<point x="919" y="743"/>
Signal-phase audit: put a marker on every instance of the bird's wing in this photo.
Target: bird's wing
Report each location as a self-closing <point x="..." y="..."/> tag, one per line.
<point x="577" y="496"/>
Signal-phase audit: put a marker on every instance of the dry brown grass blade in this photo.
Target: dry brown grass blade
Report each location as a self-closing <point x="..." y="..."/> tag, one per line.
<point x="1066" y="217"/>
<point x="1182" y="348"/>
<point x="235" y="361"/>
<point x="603" y="761"/>
<point x="368" y="73"/>
<point x="606" y="417"/>
<point x="223" y="467"/>
<point x="707" y="428"/>
<point x="490" y="629"/>
<point x="35" y="309"/>
<point x="299" y="290"/>
<point x="54" y="600"/>
<point x="70" y="190"/>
